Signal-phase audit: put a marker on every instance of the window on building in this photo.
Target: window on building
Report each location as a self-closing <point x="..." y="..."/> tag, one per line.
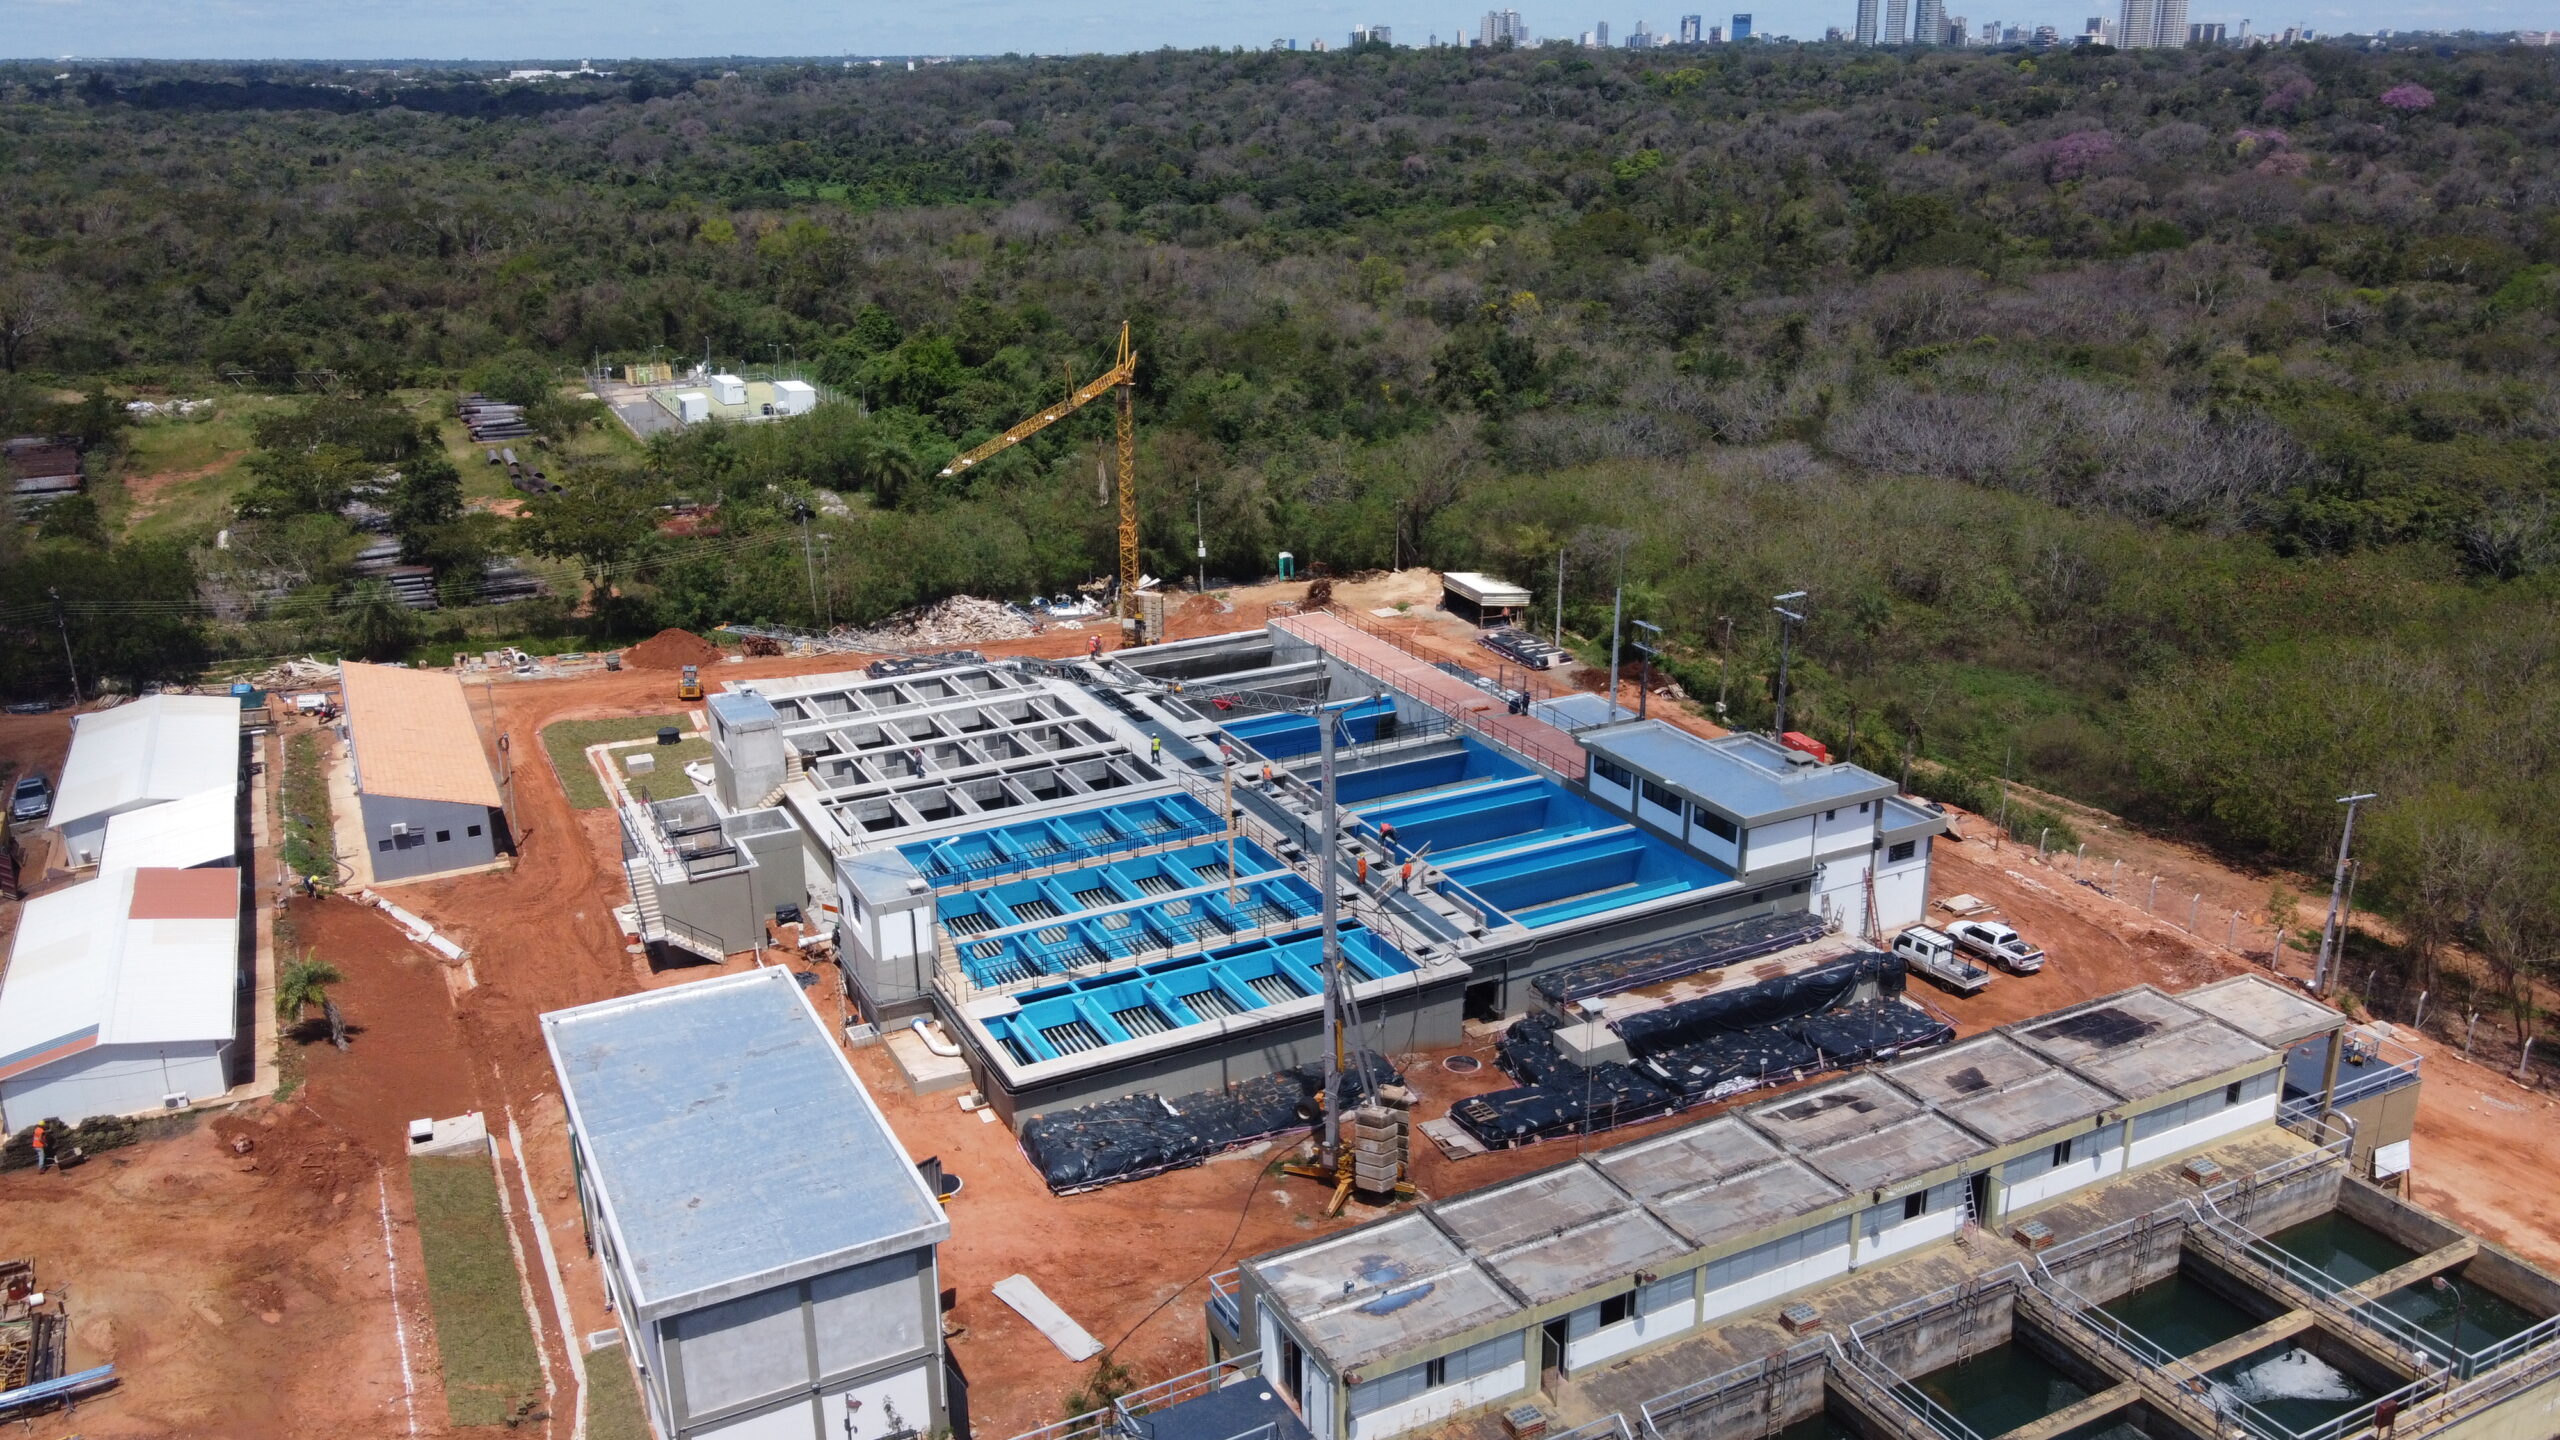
<point x="1830" y="815"/>
<point x="443" y="836"/>
<point x="1611" y="771"/>
<point x="1862" y="806"/>
<point x="1617" y="1308"/>
<point x="381" y="844"/>
<point x="2062" y="1154"/>
<point x="471" y="830"/>
<point x="1901" y="850"/>
<point x="2231" y="1093"/>
<point x="1915" y="1204"/>
<point x="1715" y="824"/>
<point x="1662" y="795"/>
<point x="1435" y="1372"/>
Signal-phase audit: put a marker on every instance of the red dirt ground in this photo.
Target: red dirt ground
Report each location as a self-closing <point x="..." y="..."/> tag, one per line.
<point x="199" y="1249"/>
<point x="671" y="650"/>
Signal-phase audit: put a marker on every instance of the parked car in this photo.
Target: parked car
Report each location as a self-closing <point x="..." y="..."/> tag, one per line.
<point x="1998" y="944"/>
<point x="30" y="799"/>
<point x="1931" y="953"/>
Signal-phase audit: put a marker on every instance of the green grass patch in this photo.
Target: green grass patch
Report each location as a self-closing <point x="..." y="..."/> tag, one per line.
<point x="310" y="836"/>
<point x="491" y="1371"/>
<point x="613" y="1398"/>
<point x="566" y="743"/>
<point x="204" y="453"/>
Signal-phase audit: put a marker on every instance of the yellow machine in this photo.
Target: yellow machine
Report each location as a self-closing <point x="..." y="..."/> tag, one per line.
<point x="1122" y="377"/>
<point x="690" y="686"/>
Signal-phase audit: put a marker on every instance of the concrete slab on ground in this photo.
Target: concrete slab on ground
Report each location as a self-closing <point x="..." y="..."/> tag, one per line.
<point x="1045" y="1317"/>
<point x="925" y="1072"/>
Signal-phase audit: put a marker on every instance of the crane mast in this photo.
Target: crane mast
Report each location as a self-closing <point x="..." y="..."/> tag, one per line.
<point x="1122" y="379"/>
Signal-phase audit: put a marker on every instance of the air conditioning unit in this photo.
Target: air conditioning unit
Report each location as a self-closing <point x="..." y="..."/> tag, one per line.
<point x="400" y="827"/>
<point x="176" y="1101"/>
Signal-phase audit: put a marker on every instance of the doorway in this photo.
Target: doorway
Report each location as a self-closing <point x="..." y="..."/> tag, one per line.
<point x="1551" y="1342"/>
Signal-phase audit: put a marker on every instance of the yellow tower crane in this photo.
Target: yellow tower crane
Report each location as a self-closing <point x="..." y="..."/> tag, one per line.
<point x="1122" y="377"/>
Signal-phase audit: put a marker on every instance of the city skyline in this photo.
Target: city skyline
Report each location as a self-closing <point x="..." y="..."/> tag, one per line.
<point x="483" y="30"/>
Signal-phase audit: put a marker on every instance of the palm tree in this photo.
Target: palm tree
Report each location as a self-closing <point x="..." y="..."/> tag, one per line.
<point x="304" y="983"/>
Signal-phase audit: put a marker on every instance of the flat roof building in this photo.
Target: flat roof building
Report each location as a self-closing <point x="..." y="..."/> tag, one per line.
<point x="1762" y="809"/>
<point x="143" y="753"/>
<point x="121" y="995"/>
<point x="768" y="1245"/>
<point x="1408" y="1321"/>
<point x="423" y="786"/>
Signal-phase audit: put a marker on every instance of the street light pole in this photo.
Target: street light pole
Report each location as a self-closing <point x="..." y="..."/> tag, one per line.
<point x="1787" y="621"/>
<point x="2337" y="896"/>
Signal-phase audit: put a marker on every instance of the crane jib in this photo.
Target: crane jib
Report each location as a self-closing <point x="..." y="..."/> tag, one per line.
<point x="1121" y="374"/>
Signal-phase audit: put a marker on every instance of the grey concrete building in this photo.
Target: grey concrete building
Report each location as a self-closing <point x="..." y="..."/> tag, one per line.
<point x="423" y="785"/>
<point x="768" y="1245"/>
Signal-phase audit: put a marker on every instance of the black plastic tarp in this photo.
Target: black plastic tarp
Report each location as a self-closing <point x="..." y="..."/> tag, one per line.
<point x="1874" y="1030"/>
<point x="1600" y="1098"/>
<point x="1770" y="1002"/>
<point x="1651" y="964"/>
<point x="1732" y="1063"/>
<point x="1143" y="1134"/>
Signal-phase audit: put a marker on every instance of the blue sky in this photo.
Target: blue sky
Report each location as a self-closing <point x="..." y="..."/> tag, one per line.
<point x="602" y="30"/>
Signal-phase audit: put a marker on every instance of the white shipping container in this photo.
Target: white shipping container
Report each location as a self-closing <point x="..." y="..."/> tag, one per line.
<point x="693" y="406"/>
<point x="794" y="397"/>
<point x="729" y="389"/>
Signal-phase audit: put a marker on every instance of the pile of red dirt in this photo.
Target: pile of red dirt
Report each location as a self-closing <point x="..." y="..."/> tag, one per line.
<point x="671" y="650"/>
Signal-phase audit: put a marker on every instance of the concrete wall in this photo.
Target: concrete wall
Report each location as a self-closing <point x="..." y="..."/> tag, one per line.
<point x="1419" y="1019"/>
<point x="115" y="1080"/>
<point x="1776" y="1393"/>
<point x="420" y="852"/>
<point x="2033" y="1178"/>
<point x="782" y="1361"/>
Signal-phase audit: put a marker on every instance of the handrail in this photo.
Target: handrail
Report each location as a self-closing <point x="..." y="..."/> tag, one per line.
<point x="1189" y="1385"/>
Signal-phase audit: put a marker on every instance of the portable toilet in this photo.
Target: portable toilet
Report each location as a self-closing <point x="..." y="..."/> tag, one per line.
<point x="693" y="406"/>
<point x="794" y="397"/>
<point x="728" y="389"/>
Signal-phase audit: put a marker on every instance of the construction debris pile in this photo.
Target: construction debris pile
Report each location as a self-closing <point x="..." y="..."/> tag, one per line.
<point x="1145" y="1134"/>
<point x="295" y="675"/>
<point x="962" y="619"/>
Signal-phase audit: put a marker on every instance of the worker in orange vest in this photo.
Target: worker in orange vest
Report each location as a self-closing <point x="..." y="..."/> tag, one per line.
<point x="44" y="1155"/>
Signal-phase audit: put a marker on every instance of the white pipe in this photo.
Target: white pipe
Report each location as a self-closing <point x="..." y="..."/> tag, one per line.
<point x="947" y="1049"/>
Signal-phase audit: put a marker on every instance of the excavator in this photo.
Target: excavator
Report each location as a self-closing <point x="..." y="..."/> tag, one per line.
<point x="1121" y="378"/>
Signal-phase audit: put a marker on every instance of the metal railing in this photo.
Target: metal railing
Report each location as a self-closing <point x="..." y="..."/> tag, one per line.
<point x="1190" y="1385"/>
<point x="1764" y="1375"/>
<point x="1226" y="1298"/>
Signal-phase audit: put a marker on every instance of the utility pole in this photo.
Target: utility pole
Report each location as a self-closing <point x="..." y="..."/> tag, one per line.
<point x="1559" y="599"/>
<point x="1200" y="527"/>
<point x="809" y="560"/>
<point x="1787" y="621"/>
<point x="2337" y="897"/>
<point x="65" y="627"/>
<point x="1617" y="610"/>
<point x="1648" y="648"/>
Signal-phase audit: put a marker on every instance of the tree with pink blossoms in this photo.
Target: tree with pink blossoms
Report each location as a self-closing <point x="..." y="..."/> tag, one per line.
<point x="2409" y="98"/>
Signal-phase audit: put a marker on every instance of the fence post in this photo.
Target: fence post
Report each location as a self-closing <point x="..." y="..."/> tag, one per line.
<point x="2080" y="866"/>
<point x="2231" y="938"/>
<point x="2524" y="1061"/>
<point x="2042" y="836"/>
<point x="2152" y="905"/>
<point x="2467" y="1027"/>
<point x="2420" y="1019"/>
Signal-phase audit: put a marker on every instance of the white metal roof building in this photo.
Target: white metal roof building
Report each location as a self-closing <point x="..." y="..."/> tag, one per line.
<point x="121" y="995"/>
<point x="148" y="752"/>
<point x="202" y="829"/>
<point x="768" y="1243"/>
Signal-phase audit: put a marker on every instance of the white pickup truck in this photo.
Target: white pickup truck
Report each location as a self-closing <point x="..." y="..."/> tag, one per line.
<point x="1998" y="944"/>
<point x="1931" y="953"/>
